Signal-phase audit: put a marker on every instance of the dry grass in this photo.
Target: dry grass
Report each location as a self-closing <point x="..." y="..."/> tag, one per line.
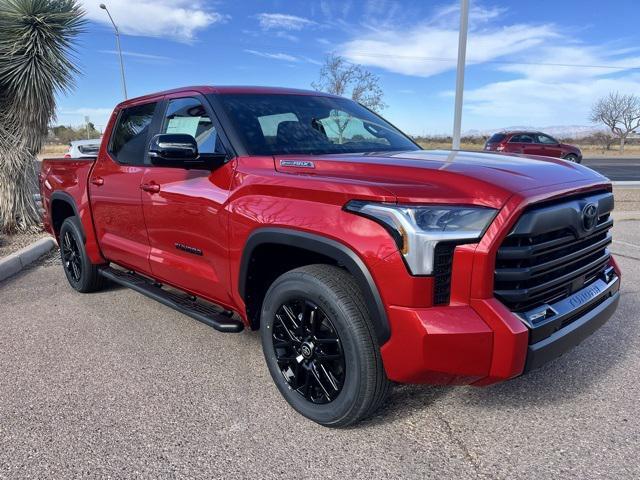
<point x="54" y="149"/>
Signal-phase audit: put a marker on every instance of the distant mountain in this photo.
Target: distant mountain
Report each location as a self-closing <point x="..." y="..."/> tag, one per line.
<point x="563" y="131"/>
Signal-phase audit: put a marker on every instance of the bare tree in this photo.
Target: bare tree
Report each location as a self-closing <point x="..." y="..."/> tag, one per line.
<point x="603" y="139"/>
<point x="339" y="77"/>
<point x="620" y="112"/>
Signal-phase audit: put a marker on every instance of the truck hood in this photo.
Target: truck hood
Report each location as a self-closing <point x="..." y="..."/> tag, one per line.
<point x="444" y="176"/>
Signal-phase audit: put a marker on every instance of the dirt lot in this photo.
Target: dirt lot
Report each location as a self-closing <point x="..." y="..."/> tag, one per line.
<point x="13" y="243"/>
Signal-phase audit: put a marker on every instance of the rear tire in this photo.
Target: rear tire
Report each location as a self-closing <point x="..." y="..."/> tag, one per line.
<point x="572" y="158"/>
<point x="82" y="275"/>
<point x="320" y="346"/>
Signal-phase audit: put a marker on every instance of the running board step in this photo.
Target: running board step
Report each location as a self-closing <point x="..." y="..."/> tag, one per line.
<point x="206" y="313"/>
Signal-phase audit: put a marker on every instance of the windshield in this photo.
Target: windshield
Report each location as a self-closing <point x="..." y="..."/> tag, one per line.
<point x="280" y="124"/>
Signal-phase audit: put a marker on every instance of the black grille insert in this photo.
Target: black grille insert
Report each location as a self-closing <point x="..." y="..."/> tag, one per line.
<point x="548" y="255"/>
<point x="442" y="262"/>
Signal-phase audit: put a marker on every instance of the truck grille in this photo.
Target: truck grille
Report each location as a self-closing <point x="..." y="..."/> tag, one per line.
<point x="553" y="251"/>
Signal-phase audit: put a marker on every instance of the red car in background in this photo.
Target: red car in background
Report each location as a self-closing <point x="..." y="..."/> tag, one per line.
<point x="532" y="143"/>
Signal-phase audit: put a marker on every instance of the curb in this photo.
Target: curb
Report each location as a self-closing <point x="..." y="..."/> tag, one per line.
<point x="17" y="261"/>
<point x="626" y="183"/>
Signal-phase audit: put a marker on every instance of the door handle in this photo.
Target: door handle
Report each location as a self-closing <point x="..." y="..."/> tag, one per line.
<point x="98" y="181"/>
<point x="150" y="187"/>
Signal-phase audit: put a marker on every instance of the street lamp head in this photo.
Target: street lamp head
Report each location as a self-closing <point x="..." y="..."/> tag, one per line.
<point x="103" y="6"/>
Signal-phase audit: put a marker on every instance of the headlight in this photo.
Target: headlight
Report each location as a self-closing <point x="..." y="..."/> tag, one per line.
<point x="418" y="229"/>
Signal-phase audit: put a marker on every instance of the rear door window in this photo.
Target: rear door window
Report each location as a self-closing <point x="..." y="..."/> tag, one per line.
<point x="521" y="139"/>
<point x="129" y="138"/>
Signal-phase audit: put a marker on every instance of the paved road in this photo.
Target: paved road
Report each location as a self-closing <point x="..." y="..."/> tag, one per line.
<point x="625" y="169"/>
<point x="114" y="385"/>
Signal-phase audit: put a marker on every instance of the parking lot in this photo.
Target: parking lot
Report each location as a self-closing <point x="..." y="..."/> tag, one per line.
<point x="113" y="384"/>
<point x="625" y="169"/>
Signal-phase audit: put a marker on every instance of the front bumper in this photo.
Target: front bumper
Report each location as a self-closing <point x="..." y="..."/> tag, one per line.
<point x="485" y="343"/>
<point x="598" y="310"/>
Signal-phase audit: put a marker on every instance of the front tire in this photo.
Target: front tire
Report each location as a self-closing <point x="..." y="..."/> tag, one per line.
<point x="82" y="275"/>
<point x="320" y="346"/>
<point x="572" y="158"/>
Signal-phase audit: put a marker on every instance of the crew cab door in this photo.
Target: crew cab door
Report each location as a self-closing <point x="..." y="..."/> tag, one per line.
<point x="545" y="145"/>
<point x="114" y="189"/>
<point x="184" y="208"/>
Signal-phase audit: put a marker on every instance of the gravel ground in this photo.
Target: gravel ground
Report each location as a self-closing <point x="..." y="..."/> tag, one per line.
<point x="113" y="384"/>
<point x="627" y="199"/>
<point x="13" y="243"/>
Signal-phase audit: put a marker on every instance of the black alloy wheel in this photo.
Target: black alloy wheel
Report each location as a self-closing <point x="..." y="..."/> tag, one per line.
<point x="71" y="256"/>
<point x="308" y="351"/>
<point x="320" y="345"/>
<point x="82" y="275"/>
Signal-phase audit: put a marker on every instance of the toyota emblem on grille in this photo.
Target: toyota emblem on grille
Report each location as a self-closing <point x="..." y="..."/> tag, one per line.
<point x="589" y="216"/>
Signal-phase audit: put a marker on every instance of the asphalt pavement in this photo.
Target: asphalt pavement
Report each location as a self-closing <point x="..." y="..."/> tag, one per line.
<point x="113" y="384"/>
<point x="616" y="168"/>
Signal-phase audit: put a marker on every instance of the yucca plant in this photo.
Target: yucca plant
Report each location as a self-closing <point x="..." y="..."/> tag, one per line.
<point x="36" y="63"/>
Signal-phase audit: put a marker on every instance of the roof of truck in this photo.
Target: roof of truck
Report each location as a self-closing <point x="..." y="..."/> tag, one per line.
<point x="226" y="89"/>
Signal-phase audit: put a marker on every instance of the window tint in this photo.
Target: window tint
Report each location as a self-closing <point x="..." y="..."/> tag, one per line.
<point x="342" y="128"/>
<point x="496" y="138"/>
<point x="89" y="149"/>
<point x="522" y="138"/>
<point x="546" y="139"/>
<point x="129" y="138"/>
<point x="188" y="115"/>
<point x="269" y="123"/>
<point x="275" y="124"/>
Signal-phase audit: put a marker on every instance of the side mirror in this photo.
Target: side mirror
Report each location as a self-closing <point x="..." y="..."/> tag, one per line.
<point x="169" y="148"/>
<point x="180" y="150"/>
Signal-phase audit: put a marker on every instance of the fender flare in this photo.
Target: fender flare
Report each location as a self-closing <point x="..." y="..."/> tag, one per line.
<point x="66" y="198"/>
<point x="339" y="252"/>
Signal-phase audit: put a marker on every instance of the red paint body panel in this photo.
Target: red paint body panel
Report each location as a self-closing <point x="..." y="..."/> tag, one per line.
<point x="188" y="198"/>
<point x="473" y="340"/>
<point x="71" y="177"/>
<point x="440" y="345"/>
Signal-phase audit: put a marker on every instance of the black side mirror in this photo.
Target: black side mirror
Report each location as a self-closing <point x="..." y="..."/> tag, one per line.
<point x="180" y="150"/>
<point x="167" y="148"/>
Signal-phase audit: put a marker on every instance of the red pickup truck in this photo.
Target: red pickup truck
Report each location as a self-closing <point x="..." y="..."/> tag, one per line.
<point x="362" y="259"/>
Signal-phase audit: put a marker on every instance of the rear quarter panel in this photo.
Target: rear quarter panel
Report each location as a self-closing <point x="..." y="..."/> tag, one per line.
<point x="64" y="179"/>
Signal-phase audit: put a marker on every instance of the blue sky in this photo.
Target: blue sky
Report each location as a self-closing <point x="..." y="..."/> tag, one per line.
<point x="529" y="63"/>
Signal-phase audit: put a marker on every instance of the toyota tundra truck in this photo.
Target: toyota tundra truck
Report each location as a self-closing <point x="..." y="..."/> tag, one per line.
<point x="362" y="259"/>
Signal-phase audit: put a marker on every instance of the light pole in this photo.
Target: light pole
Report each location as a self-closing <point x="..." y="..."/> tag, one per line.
<point x="124" y="83"/>
<point x="462" y="53"/>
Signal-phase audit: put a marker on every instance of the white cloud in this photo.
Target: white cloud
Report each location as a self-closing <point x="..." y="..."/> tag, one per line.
<point x="283" y="56"/>
<point x="286" y="36"/>
<point x="176" y="19"/>
<point x="145" y="56"/>
<point x="269" y="21"/>
<point x="544" y="102"/>
<point x="275" y="56"/>
<point x="547" y="76"/>
<point x="431" y="47"/>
